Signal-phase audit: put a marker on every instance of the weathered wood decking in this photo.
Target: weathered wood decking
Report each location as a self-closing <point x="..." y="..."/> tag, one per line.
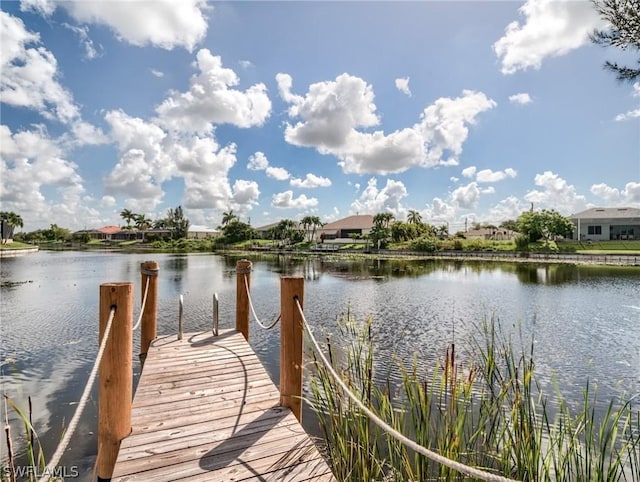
<point x="206" y="409"/>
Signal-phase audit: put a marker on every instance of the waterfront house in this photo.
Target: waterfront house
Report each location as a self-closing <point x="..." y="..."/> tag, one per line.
<point x="491" y="234"/>
<point x="202" y="232"/>
<point x="342" y="229"/>
<point x="116" y="233"/>
<point x="606" y="224"/>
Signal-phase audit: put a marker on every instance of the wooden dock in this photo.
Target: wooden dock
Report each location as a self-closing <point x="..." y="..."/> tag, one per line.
<point x="206" y="409"/>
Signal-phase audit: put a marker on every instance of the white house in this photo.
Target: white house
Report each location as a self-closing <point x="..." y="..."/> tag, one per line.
<point x="202" y="232"/>
<point x="493" y="234"/>
<point x="606" y="224"/>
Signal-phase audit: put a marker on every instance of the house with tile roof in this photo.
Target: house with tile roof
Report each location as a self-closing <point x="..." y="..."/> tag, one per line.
<point x="359" y="224"/>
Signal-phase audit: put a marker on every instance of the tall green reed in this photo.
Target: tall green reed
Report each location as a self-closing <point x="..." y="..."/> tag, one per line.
<point x="35" y="459"/>
<point x="488" y="412"/>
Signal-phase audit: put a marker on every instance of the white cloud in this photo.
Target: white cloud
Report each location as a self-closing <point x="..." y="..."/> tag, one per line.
<point x="509" y="208"/>
<point x="454" y="179"/>
<point x="86" y="134"/>
<point x="488" y="190"/>
<point x="631" y="114"/>
<point x="522" y="99"/>
<point x="43" y="7"/>
<point x="402" y="84"/>
<point x="380" y="153"/>
<point x="204" y="166"/>
<point x="487" y="175"/>
<point x="602" y="190"/>
<point x="388" y="199"/>
<point x="29" y="74"/>
<point x="285" y="82"/>
<point x="245" y="64"/>
<point x="258" y="162"/>
<point x="38" y="182"/>
<point x="161" y="23"/>
<point x="285" y="200"/>
<point x="108" y="201"/>
<point x="334" y="216"/>
<point x="245" y="194"/>
<point x="157" y="73"/>
<point x="330" y="112"/>
<point x="556" y="194"/>
<point x="311" y="181"/>
<point x="551" y="28"/>
<point x="277" y="173"/>
<point x="630" y="194"/>
<point x="90" y="51"/>
<point x="469" y="171"/>
<point x="438" y="211"/>
<point x="150" y="156"/>
<point x="444" y="124"/>
<point x="466" y="197"/>
<point x="30" y="80"/>
<point x="209" y="100"/>
<point x="333" y="112"/>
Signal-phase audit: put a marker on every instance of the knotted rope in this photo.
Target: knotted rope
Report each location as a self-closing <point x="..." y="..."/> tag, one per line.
<point x="452" y="464"/>
<point x="144" y="303"/>
<point x="255" y="316"/>
<point x="62" y="446"/>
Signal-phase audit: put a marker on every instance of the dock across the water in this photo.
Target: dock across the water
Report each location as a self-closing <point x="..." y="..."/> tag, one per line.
<point x="206" y="409"/>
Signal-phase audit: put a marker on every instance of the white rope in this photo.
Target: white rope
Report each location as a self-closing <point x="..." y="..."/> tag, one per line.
<point x="62" y="446"/>
<point x="452" y="464"/>
<point x="266" y="327"/>
<point x="144" y="303"/>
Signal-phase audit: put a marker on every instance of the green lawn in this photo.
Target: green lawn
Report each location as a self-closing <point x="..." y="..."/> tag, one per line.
<point x="601" y="247"/>
<point x="16" y="245"/>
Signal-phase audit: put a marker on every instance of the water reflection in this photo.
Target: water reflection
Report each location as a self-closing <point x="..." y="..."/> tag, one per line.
<point x="585" y="321"/>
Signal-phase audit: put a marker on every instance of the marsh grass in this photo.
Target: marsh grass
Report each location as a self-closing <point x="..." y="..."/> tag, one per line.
<point x="488" y="412"/>
<point x="35" y="459"/>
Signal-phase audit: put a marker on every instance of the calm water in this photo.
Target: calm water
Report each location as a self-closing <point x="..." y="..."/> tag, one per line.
<point x="585" y="321"/>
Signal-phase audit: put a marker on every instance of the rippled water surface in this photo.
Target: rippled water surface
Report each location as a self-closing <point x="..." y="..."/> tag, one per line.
<point x="585" y="321"/>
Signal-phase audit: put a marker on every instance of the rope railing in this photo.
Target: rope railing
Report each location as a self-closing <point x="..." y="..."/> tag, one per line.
<point x="144" y="303"/>
<point x="62" y="446"/>
<point x="452" y="464"/>
<point x="253" y="311"/>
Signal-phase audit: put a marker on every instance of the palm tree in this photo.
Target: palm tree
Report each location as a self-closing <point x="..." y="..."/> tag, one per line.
<point x="414" y="217"/>
<point x="316" y="223"/>
<point x="13" y="220"/>
<point x="312" y="222"/>
<point x="228" y="217"/>
<point x="306" y="223"/>
<point x="383" y="219"/>
<point x="142" y="223"/>
<point x="128" y="216"/>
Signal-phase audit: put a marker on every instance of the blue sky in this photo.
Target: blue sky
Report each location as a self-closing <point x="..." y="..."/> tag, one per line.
<point x="460" y="110"/>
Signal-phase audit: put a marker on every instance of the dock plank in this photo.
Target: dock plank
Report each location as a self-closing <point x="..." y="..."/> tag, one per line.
<point x="206" y="409"/>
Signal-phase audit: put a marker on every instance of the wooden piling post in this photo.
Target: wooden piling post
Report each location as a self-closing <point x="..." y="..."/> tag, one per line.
<point x="115" y="387"/>
<point x="291" y="330"/>
<point x="243" y="268"/>
<point x="148" y="327"/>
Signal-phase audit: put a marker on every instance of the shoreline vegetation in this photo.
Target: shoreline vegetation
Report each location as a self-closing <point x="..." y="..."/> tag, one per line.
<point x="487" y="411"/>
<point x="625" y="253"/>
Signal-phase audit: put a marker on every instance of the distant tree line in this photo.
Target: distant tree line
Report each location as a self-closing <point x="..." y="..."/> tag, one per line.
<point x="174" y="222"/>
